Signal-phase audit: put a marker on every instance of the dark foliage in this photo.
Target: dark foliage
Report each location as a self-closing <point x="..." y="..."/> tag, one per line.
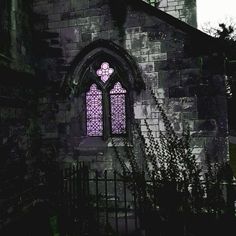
<point x="179" y="189"/>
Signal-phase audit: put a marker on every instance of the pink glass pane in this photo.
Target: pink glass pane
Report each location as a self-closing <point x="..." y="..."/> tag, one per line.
<point x="94" y="111"/>
<point x="117" y="89"/>
<point x="118" y="114"/>
<point x="105" y="71"/>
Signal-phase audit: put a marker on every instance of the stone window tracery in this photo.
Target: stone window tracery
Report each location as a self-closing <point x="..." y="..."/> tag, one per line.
<point x="118" y="113"/>
<point x="105" y="71"/>
<point x="106" y="104"/>
<point x="94" y="111"/>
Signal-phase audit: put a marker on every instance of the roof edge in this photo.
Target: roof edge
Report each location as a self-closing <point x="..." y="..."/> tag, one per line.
<point x="168" y="18"/>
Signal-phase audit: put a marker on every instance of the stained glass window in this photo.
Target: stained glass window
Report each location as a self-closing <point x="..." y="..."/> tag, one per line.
<point x="105" y="71"/>
<point x="94" y="111"/>
<point x="118" y="114"/>
<point x="115" y="123"/>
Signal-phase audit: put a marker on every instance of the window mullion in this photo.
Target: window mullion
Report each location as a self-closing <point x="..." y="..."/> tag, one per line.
<point x="106" y="115"/>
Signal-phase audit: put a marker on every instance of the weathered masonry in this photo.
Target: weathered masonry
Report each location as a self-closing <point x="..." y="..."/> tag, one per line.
<point x="97" y="64"/>
<point x="184" y="10"/>
<point x="17" y="78"/>
<point x="110" y="52"/>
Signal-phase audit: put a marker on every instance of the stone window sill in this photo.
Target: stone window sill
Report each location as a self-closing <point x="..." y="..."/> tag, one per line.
<point x="117" y="142"/>
<point x="90" y="146"/>
<point x="94" y="146"/>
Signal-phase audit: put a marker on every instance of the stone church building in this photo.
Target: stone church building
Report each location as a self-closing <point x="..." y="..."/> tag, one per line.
<point x="88" y="71"/>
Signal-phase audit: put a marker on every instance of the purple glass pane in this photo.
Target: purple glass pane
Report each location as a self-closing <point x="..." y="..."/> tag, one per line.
<point x="118" y="114"/>
<point x="117" y="89"/>
<point x="94" y="111"/>
<point x="105" y="71"/>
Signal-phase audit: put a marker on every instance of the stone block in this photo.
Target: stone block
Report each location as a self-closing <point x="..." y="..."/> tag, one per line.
<point x="179" y="7"/>
<point x="155" y="47"/>
<point x="142" y="59"/>
<point x="83" y="21"/>
<point x="96" y="19"/>
<point x="153" y="128"/>
<point x="170" y="10"/>
<point x="54" y="17"/>
<point x="173" y="3"/>
<point x="128" y="44"/>
<point x="136" y="44"/>
<point x="79" y="5"/>
<point x="72" y="46"/>
<point x="55" y="25"/>
<point x="142" y="111"/>
<point x="144" y="51"/>
<point x="150" y="121"/>
<point x="62" y="128"/>
<point x="147" y="67"/>
<point x="155" y="115"/>
<point x="158" y="57"/>
<point x="86" y="37"/>
<point x="133" y="30"/>
<point x="163" y="4"/>
<point x="151" y="79"/>
<point x="162" y="126"/>
<point x="177" y="92"/>
<point x="61" y="117"/>
<point x="205" y="125"/>
<point x="70" y="35"/>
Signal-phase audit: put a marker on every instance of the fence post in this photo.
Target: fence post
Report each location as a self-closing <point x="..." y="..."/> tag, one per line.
<point x="135" y="206"/>
<point x="125" y="202"/>
<point x="106" y="200"/>
<point x="230" y="198"/>
<point x="97" y="200"/>
<point x="116" y="206"/>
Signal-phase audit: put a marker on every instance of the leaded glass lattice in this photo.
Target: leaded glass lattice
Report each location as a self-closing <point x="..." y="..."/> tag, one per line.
<point x="118" y="114"/>
<point x="105" y="71"/>
<point x="94" y="111"/>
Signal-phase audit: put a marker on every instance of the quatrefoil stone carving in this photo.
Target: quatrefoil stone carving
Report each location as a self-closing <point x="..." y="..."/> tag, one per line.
<point x="105" y="71"/>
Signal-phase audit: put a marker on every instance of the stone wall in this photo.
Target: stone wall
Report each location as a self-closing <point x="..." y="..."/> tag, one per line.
<point x="16" y="35"/>
<point x="13" y="122"/>
<point x="185" y="10"/>
<point x="16" y="80"/>
<point x="15" y="66"/>
<point x="188" y="86"/>
<point x="4" y="27"/>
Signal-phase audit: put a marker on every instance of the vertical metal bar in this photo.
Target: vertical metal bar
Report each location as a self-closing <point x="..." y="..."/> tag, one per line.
<point x="61" y="185"/>
<point x="87" y="181"/>
<point x="77" y="184"/>
<point x="74" y="187"/>
<point x="66" y="189"/>
<point x="70" y="189"/>
<point x="83" y="183"/>
<point x="116" y="205"/>
<point x="125" y="204"/>
<point x="154" y="189"/>
<point x="80" y="182"/>
<point x="97" y="200"/>
<point x="135" y="206"/>
<point x="106" y="200"/>
<point x="61" y="196"/>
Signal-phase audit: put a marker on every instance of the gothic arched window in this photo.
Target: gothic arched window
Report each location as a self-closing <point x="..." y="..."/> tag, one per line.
<point x="118" y="113"/>
<point x="94" y="111"/>
<point x="105" y="101"/>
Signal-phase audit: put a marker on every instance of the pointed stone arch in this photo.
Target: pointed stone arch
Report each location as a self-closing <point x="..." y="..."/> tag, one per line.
<point x="105" y="49"/>
<point x="125" y="72"/>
